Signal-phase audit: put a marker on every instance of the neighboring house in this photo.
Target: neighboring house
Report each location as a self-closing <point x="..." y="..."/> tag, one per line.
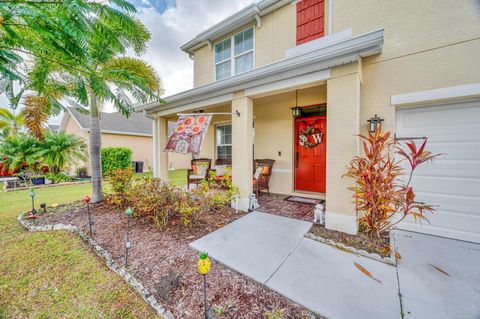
<point x="415" y="64"/>
<point x="134" y="132"/>
<point x="53" y="128"/>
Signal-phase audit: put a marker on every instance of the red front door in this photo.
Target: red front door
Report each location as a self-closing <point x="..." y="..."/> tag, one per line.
<point x="310" y="153"/>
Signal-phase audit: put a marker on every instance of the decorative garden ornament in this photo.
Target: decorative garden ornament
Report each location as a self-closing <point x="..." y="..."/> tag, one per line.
<point x="203" y="269"/>
<point x="33" y="212"/>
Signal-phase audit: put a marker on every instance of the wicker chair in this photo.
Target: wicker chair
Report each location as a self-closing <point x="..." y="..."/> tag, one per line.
<point x="263" y="179"/>
<point x="192" y="176"/>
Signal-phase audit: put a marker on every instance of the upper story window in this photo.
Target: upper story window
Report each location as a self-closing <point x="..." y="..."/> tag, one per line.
<point x="234" y="59"/>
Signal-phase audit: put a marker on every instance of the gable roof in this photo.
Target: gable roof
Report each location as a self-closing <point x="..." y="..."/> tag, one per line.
<point x="113" y="123"/>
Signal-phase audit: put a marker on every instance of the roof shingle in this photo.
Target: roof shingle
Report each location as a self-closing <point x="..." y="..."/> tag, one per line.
<point x="136" y="123"/>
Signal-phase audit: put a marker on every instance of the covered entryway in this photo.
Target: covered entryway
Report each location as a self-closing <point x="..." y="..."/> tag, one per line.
<point x="452" y="181"/>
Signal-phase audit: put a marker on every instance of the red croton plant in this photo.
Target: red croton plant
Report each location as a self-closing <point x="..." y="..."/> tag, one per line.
<point x="381" y="192"/>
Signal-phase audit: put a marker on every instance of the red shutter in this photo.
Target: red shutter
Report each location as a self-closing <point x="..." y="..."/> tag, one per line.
<point x="310" y="20"/>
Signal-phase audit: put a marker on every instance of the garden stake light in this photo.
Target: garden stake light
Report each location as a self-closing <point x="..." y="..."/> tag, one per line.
<point x="44" y="207"/>
<point x="203" y="269"/>
<point x="129" y="213"/>
<point x="87" y="200"/>
<point x="33" y="213"/>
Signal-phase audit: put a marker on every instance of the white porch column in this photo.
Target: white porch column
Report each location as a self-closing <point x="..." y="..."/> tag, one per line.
<point x="162" y="158"/>
<point x="343" y="124"/>
<point x="155" y="146"/>
<point x="242" y="148"/>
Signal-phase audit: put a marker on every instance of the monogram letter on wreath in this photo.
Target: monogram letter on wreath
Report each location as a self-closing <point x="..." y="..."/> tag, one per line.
<point x="310" y="137"/>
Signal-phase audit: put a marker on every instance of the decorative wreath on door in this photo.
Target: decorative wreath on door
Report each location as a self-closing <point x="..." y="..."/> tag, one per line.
<point x="310" y="137"/>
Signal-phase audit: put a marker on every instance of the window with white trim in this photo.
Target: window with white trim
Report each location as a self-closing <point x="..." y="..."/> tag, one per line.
<point x="234" y="59"/>
<point x="223" y="136"/>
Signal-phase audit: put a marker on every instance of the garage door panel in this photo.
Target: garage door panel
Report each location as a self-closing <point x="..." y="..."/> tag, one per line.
<point x="461" y="204"/>
<point x="447" y="185"/>
<point x="450" y="168"/>
<point x="452" y="182"/>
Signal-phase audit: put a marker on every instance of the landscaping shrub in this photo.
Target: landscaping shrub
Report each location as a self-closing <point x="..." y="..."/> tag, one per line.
<point x="58" y="178"/>
<point x="380" y="192"/>
<point x="115" y="157"/>
<point x="162" y="203"/>
<point x="121" y="183"/>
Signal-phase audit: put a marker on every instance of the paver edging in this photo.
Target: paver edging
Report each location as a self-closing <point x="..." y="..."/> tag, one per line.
<point x="386" y="260"/>
<point x="107" y="257"/>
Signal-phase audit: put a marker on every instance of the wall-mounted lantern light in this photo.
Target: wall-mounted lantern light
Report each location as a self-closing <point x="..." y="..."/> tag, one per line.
<point x="374" y="123"/>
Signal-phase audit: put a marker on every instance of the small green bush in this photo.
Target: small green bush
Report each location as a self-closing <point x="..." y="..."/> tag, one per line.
<point x="115" y="157"/>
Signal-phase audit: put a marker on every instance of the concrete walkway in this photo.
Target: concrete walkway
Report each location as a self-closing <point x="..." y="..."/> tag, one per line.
<point x="273" y="251"/>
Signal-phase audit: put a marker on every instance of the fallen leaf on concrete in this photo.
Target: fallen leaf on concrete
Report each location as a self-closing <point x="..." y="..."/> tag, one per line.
<point x="398" y="256"/>
<point x="365" y="271"/>
<point x="440" y="270"/>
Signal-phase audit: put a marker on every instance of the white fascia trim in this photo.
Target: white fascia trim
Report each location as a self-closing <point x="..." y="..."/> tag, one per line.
<point x="197" y="105"/>
<point x="235" y="21"/>
<point x="341" y="222"/>
<point x="447" y="94"/>
<point x="299" y="82"/>
<point x="319" y="43"/>
<point x="340" y="53"/>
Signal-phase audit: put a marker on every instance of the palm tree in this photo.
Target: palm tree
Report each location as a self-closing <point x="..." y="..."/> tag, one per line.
<point x="18" y="151"/>
<point x="58" y="149"/>
<point x="11" y="122"/>
<point x="104" y="76"/>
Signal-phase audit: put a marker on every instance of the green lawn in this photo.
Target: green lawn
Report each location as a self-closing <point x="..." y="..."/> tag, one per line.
<point x="55" y="274"/>
<point x="177" y="177"/>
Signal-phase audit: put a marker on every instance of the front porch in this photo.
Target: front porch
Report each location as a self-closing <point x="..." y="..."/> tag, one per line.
<point x="266" y="129"/>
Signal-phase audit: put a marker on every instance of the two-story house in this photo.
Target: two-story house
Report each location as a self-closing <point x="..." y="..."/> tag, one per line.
<point x="323" y="69"/>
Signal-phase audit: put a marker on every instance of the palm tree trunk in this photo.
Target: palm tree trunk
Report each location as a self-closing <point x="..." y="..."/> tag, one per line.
<point x="95" y="146"/>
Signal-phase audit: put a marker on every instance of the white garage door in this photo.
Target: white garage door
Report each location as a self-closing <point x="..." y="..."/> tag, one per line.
<point x="453" y="181"/>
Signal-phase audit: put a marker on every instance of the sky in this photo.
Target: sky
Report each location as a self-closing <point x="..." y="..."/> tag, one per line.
<point x="173" y="23"/>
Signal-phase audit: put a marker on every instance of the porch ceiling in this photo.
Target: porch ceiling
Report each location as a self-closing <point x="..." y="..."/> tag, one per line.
<point x="339" y="53"/>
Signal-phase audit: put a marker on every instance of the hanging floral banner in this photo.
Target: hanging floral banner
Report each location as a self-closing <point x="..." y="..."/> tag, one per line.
<point x="188" y="134"/>
<point x="310" y="137"/>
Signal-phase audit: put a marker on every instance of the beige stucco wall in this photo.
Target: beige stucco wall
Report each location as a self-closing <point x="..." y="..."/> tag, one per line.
<point x="428" y="45"/>
<point x="141" y="146"/>
<point x="276" y="34"/>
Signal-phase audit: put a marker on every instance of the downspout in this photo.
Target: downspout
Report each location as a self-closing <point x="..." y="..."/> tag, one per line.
<point x="155" y="142"/>
<point x="330" y="17"/>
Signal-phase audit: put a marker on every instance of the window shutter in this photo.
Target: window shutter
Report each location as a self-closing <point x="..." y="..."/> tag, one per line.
<point x="310" y="20"/>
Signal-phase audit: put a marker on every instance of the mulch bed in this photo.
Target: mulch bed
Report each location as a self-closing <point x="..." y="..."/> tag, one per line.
<point x="379" y="246"/>
<point x="155" y="252"/>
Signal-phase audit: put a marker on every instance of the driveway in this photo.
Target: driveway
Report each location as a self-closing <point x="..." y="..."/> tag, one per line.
<point x="436" y="277"/>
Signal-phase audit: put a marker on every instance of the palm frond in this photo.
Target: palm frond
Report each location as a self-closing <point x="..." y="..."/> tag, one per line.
<point x="35" y="114"/>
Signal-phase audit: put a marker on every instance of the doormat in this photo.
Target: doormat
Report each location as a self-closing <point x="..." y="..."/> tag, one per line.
<point x="304" y="200"/>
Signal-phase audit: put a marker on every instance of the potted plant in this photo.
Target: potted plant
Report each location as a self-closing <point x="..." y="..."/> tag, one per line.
<point x="37" y="179"/>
